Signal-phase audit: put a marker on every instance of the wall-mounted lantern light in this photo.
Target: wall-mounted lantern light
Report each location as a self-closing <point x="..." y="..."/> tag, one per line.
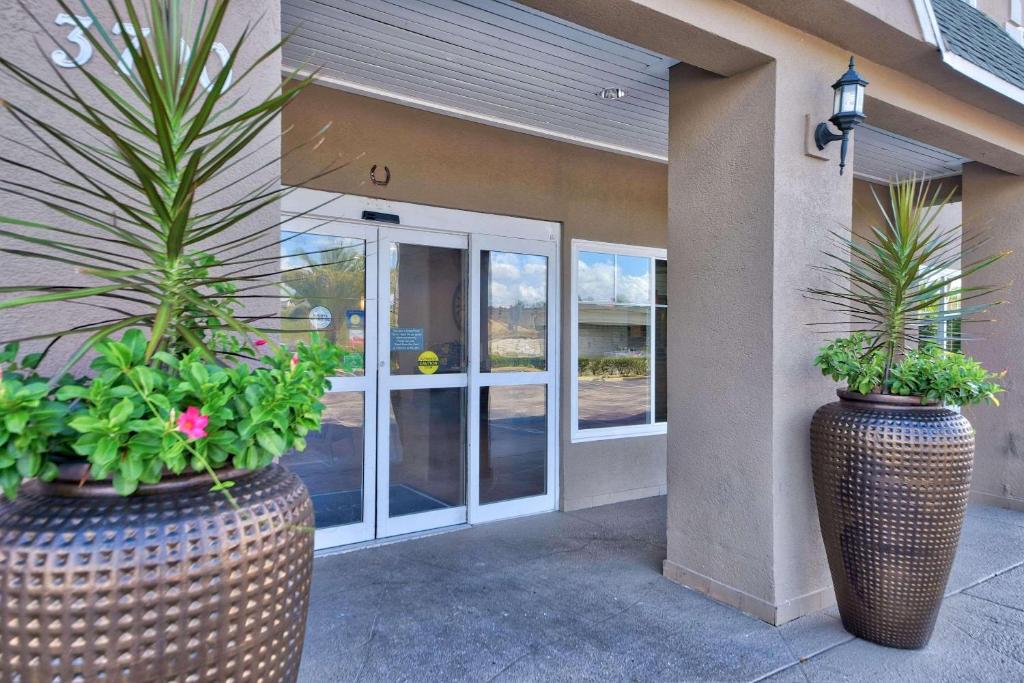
<point x="847" y="112"/>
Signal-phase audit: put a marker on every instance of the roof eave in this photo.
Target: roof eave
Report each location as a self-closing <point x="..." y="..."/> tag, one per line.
<point x="933" y="34"/>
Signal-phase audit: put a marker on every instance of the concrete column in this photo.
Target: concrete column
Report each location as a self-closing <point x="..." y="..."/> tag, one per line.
<point x="993" y="203"/>
<point x="749" y="211"/>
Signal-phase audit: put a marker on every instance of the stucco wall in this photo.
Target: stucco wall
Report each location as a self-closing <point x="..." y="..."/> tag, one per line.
<point x="744" y="223"/>
<point x="999" y="10"/>
<point x="444" y="161"/>
<point x="993" y="206"/>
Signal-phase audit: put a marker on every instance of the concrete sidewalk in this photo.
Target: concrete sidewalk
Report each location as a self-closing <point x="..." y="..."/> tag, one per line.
<point x="580" y="597"/>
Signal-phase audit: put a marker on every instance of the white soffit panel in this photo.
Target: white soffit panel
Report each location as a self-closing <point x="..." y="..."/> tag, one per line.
<point x="507" y="65"/>
<point x="881" y="156"/>
<point x="493" y="61"/>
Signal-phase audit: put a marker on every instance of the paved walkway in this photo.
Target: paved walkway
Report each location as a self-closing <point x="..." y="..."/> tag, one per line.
<point x="579" y="596"/>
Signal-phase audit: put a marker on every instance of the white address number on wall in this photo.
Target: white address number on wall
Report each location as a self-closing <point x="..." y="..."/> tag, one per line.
<point x="126" y="63"/>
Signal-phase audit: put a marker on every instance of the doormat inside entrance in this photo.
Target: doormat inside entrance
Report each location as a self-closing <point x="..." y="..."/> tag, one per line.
<point x="408" y="500"/>
<point x="337" y="508"/>
<point x="345" y="507"/>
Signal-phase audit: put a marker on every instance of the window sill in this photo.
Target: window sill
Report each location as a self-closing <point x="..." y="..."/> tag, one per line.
<point x="588" y="435"/>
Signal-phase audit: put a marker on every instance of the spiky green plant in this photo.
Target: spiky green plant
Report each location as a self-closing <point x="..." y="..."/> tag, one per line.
<point x="890" y="286"/>
<point x="148" y="197"/>
<point x="153" y="206"/>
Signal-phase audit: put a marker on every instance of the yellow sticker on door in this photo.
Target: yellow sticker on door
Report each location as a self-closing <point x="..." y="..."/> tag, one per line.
<point x="428" y="362"/>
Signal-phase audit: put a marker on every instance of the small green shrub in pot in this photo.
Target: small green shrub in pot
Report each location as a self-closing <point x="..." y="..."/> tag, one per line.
<point x="166" y="443"/>
<point x="931" y="373"/>
<point x="891" y="460"/>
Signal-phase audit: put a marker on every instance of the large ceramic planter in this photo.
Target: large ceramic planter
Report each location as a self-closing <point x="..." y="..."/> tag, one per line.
<point x="891" y="478"/>
<point x="169" y="584"/>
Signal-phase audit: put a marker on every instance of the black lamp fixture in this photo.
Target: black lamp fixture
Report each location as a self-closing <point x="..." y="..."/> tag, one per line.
<point x="847" y="112"/>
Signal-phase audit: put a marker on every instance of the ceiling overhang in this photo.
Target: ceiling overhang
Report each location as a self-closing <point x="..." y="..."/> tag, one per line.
<point x="504" y="64"/>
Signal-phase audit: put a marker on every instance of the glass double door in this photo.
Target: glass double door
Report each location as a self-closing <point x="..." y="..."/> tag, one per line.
<point x="443" y="411"/>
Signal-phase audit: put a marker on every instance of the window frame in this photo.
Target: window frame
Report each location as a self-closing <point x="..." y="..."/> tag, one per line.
<point x="652" y="428"/>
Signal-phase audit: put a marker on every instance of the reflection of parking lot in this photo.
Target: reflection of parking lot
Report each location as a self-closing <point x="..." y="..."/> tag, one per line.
<point x="614" y="402"/>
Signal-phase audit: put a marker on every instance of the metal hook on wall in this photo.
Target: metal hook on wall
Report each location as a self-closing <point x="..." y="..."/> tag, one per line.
<point x="373" y="176"/>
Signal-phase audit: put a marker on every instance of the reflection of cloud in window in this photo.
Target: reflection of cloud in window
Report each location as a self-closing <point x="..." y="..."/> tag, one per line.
<point x="517" y="279"/>
<point x="596" y="279"/>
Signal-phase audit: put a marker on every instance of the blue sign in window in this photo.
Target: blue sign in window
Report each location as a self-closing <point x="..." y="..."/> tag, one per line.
<point x="406" y="338"/>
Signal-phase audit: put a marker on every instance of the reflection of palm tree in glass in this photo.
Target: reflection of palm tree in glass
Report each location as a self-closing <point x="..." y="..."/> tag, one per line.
<point x="333" y="279"/>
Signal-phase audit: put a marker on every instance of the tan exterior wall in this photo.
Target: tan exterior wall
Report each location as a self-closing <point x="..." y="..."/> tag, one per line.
<point x="997" y="9"/>
<point x="444" y="161"/>
<point x="994" y="206"/>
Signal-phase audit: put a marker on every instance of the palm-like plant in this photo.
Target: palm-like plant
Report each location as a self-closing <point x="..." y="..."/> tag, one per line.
<point x="148" y="202"/>
<point x="154" y="205"/>
<point x="891" y="286"/>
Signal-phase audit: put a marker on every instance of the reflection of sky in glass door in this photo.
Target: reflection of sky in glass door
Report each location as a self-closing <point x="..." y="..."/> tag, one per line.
<point x="515" y="312"/>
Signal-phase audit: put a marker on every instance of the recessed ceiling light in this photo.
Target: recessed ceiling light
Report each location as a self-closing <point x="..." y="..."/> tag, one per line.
<point x="612" y="94"/>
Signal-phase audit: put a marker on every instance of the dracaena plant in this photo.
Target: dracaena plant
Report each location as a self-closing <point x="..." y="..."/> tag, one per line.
<point x="894" y="289"/>
<point x="147" y="207"/>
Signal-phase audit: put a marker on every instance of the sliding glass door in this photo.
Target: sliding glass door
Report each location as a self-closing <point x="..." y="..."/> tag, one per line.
<point x="444" y="409"/>
<point x="422" y="381"/>
<point x="513" y="378"/>
<point x="329" y="286"/>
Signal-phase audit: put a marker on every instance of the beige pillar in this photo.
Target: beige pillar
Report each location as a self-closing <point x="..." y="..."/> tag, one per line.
<point x="993" y="203"/>
<point x="749" y="211"/>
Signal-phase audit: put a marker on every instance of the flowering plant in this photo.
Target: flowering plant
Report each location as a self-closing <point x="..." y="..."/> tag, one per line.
<point x="150" y="210"/>
<point x="135" y="421"/>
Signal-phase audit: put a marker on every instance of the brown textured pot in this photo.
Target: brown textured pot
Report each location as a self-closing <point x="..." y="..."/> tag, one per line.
<point x="169" y="584"/>
<point x="891" y="478"/>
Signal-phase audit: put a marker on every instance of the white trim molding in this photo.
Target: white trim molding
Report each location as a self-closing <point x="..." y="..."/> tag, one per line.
<point x="651" y="428"/>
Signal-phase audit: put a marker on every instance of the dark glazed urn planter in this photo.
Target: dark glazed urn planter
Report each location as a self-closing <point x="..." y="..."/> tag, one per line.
<point x="891" y="478"/>
<point x="169" y="584"/>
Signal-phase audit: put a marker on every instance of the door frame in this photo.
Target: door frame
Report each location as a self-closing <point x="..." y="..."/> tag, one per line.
<point x="386" y="383"/>
<point x="325" y="207"/>
<point x="364" y="530"/>
<point x="549" y="378"/>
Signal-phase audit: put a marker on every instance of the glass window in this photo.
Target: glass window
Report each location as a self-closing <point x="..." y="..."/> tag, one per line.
<point x="514" y="320"/>
<point x="941" y="331"/>
<point x="323" y="289"/>
<point x="621" y="324"/>
<point x="513" y="442"/>
<point x="427" y="309"/>
<point x="428" y="450"/>
<point x="332" y="464"/>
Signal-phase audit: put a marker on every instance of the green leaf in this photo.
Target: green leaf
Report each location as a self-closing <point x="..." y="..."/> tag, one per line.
<point x="105" y="452"/>
<point x="121" y="412"/>
<point x="124" y="485"/>
<point x="271" y="442"/>
<point x="29" y="463"/>
<point x="16" y="422"/>
<point x="69" y="392"/>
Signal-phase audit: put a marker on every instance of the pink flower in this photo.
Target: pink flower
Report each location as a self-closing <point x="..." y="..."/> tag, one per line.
<point x="260" y="342"/>
<point x="295" y="361"/>
<point x="192" y="423"/>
